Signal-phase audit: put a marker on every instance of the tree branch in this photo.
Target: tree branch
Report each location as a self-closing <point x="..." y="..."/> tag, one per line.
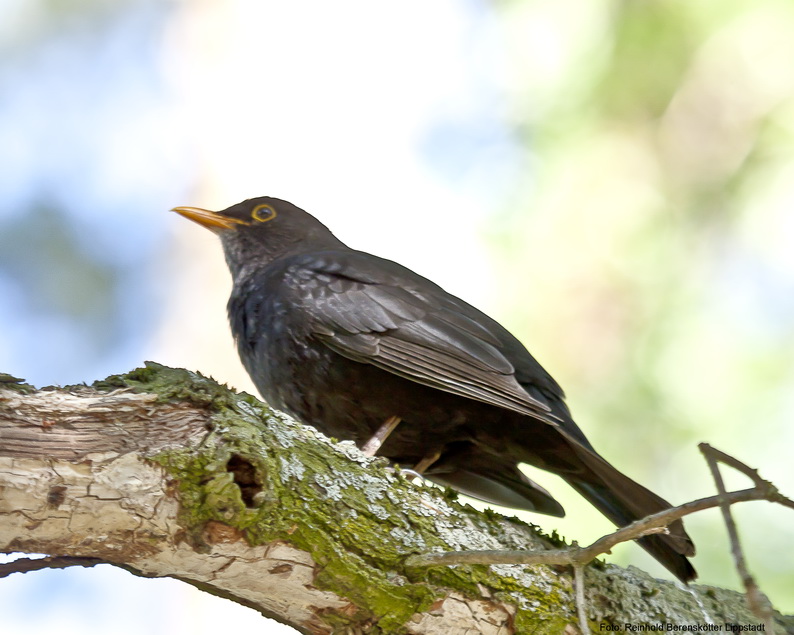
<point x="166" y="473"/>
<point x="575" y="556"/>
<point x="26" y="565"/>
<point x="759" y="603"/>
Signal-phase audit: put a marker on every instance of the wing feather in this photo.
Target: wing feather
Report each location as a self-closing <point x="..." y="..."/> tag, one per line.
<point x="452" y="374"/>
<point x="377" y="312"/>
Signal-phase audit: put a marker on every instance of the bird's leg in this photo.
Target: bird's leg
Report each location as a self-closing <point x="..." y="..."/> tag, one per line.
<point x="371" y="447"/>
<point x="426" y="462"/>
<point x="419" y="469"/>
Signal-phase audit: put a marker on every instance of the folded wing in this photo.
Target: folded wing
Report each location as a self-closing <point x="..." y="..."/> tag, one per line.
<point x="362" y="309"/>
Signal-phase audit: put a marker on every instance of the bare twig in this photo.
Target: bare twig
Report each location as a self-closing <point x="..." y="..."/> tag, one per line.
<point x="581" y="604"/>
<point x="712" y="455"/>
<point x="758" y="602"/>
<point x="655" y="523"/>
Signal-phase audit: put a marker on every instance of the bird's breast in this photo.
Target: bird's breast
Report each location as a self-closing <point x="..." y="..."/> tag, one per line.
<point x="296" y="372"/>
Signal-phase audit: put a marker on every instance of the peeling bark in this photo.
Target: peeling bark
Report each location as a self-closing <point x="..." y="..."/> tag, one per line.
<point x="166" y="473"/>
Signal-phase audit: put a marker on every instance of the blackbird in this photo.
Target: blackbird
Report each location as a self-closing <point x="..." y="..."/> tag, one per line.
<point x="363" y="348"/>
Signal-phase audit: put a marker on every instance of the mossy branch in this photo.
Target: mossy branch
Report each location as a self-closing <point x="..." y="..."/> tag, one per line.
<point x="166" y="473"/>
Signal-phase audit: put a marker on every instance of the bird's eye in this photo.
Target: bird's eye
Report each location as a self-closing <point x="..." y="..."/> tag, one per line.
<point x="263" y="213"/>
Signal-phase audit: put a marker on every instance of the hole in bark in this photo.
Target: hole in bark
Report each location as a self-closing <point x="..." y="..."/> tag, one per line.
<point x="245" y="477"/>
<point x="56" y="495"/>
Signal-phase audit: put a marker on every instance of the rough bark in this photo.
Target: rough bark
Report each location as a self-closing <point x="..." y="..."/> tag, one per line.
<point x="167" y="473"/>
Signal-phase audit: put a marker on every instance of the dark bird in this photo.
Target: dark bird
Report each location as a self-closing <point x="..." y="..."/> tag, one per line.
<point x="364" y="349"/>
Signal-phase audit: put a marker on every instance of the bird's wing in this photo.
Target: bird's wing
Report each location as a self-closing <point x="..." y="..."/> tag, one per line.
<point x="377" y="312"/>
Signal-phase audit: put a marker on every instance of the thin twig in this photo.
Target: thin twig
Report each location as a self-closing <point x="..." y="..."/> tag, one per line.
<point x="582" y="555"/>
<point x="657" y="523"/>
<point x="758" y="602"/>
<point x="581" y="604"/>
<point x="712" y="454"/>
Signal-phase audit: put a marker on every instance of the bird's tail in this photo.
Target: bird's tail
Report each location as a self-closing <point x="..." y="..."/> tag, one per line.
<point x="624" y="501"/>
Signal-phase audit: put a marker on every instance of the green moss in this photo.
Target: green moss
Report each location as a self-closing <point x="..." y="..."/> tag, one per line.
<point x="286" y="511"/>
<point x="317" y="499"/>
<point x="529" y="622"/>
<point x="172" y="384"/>
<point x="9" y="382"/>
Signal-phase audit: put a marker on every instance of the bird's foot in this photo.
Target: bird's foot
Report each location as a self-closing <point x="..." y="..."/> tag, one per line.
<point x="371" y="447"/>
<point x="421" y="467"/>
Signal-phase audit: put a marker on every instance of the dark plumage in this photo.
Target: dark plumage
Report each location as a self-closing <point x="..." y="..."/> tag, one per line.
<point x="343" y="340"/>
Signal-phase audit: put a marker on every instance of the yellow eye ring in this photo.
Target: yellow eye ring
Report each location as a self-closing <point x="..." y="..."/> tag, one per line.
<point x="263" y="213"/>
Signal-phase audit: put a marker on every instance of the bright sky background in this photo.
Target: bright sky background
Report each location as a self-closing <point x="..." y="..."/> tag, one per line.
<point x="381" y="126"/>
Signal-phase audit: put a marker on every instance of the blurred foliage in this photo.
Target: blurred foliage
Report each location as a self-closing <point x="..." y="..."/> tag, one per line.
<point x="83" y="183"/>
<point x="50" y="282"/>
<point x="648" y="260"/>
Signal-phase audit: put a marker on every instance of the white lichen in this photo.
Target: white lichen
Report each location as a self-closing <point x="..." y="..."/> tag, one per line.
<point x="291" y="468"/>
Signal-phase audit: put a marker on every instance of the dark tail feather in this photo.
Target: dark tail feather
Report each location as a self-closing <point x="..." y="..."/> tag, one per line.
<point x="492" y="479"/>
<point x="498" y="484"/>
<point x="623" y="501"/>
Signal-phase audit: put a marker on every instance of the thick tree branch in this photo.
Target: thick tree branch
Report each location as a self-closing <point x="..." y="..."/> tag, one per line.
<point x="166" y="473"/>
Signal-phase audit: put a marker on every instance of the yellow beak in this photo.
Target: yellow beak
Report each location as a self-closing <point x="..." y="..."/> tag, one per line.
<point x="213" y="221"/>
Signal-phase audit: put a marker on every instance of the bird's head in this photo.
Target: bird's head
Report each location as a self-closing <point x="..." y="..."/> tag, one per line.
<point x="259" y="230"/>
